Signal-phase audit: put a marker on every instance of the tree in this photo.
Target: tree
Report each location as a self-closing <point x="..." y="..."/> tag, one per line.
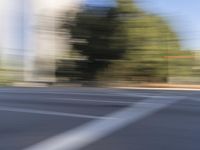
<point x="122" y="41"/>
<point x="93" y="33"/>
<point x="148" y="40"/>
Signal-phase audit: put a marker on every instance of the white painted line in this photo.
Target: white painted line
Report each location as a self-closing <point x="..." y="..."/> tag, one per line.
<point x="52" y="113"/>
<point x="145" y="95"/>
<point x="56" y="92"/>
<point x="95" y="130"/>
<point x="125" y="102"/>
<point x="61" y="93"/>
<point x="111" y="102"/>
<point x="65" y="100"/>
<point x="113" y="94"/>
<point x="88" y="100"/>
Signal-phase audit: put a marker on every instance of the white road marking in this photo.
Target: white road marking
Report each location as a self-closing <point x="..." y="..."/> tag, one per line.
<point x="65" y="94"/>
<point x="107" y="93"/>
<point x="145" y="95"/>
<point x="126" y="102"/>
<point x="56" y="93"/>
<point x="111" y="94"/>
<point x="95" y="130"/>
<point x="92" y="100"/>
<point x="65" y="100"/>
<point x="53" y="113"/>
<point x="111" y="102"/>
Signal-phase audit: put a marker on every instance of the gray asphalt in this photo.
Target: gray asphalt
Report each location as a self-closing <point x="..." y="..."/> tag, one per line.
<point x="31" y="115"/>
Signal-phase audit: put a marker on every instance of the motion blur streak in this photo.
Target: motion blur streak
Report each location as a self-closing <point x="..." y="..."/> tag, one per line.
<point x="77" y="42"/>
<point x="99" y="75"/>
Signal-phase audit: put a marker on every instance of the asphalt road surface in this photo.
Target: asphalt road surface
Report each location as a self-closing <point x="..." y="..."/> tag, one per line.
<point x="98" y="119"/>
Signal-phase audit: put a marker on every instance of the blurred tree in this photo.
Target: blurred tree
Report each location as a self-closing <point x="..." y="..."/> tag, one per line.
<point x="148" y="39"/>
<point x="122" y="42"/>
<point x="93" y="33"/>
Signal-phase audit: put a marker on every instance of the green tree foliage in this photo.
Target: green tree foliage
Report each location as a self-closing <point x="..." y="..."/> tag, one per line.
<point x="123" y="42"/>
<point x="95" y="35"/>
<point x="149" y="39"/>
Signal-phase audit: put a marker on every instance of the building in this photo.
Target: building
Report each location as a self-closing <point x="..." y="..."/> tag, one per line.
<point x="29" y="41"/>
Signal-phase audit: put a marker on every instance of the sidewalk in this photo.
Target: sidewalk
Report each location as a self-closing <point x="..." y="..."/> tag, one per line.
<point x="147" y="86"/>
<point x="162" y="86"/>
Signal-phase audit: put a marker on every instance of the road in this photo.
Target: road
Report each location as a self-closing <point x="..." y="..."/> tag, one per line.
<point x="99" y="119"/>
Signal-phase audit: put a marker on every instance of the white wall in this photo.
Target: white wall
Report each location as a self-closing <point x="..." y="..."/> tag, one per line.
<point x="47" y="44"/>
<point x="21" y="43"/>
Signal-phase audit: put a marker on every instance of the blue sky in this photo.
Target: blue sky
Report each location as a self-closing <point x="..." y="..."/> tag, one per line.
<point x="183" y="15"/>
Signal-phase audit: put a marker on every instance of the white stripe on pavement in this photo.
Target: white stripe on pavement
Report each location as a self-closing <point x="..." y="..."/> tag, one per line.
<point x="125" y="102"/>
<point x="95" y="130"/>
<point x="66" y="100"/>
<point x="92" y="100"/>
<point x="112" y="94"/>
<point x="145" y="95"/>
<point x="53" y="113"/>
